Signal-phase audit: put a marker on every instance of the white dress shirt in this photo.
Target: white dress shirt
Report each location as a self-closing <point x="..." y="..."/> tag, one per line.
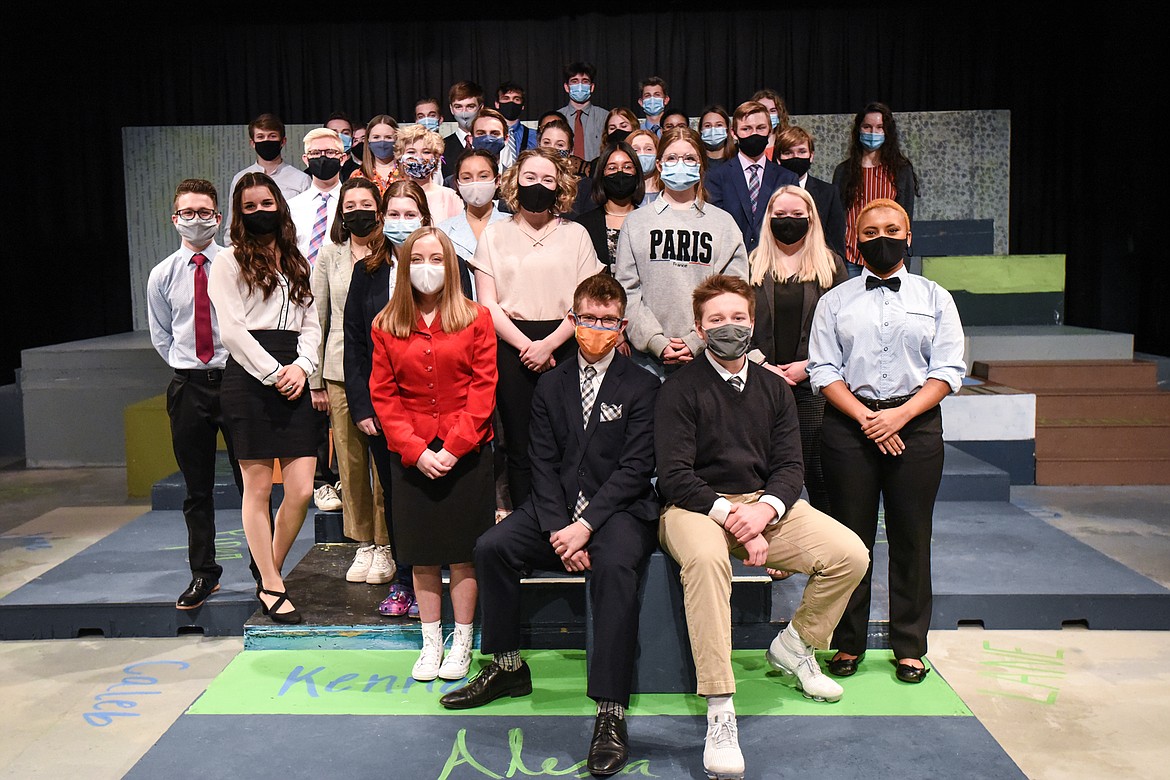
<point x="303" y="208"/>
<point x="170" y="309"/>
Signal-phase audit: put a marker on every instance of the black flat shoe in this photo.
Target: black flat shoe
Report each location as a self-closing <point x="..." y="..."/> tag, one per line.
<point x="610" y="749"/>
<point x="290" y="617"/>
<point x="911" y="674"/>
<point x="492" y="682"/>
<point x="196" y="593"/>
<point x="844" y="667"/>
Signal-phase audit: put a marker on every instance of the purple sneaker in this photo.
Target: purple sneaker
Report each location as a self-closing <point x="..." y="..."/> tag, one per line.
<point x="399" y="602"/>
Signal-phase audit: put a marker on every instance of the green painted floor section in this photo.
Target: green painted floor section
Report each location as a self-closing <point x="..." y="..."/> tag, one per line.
<point x="377" y="682"/>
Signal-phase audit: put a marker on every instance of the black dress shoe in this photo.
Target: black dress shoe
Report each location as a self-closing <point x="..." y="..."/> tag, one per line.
<point x="492" y="682"/>
<point x="844" y="667"/>
<point x="610" y="749"/>
<point x="196" y="593"/>
<point x="911" y="674"/>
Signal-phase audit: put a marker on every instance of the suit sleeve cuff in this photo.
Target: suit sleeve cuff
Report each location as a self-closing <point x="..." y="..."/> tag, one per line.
<point x="719" y="510"/>
<point x="776" y="504"/>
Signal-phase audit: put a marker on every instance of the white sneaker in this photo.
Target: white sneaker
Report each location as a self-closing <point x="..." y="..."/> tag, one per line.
<point x="382" y="569"/>
<point x="458" y="661"/>
<point x="426" y="668"/>
<point x="803" y="664"/>
<point x="362" y="561"/>
<point x="721" y="755"/>
<point x="326" y="498"/>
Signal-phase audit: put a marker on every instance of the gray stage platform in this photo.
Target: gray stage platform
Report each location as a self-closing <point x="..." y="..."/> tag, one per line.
<point x="125" y="585"/>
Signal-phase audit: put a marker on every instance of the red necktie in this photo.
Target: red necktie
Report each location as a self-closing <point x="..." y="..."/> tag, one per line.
<point x="204" y="341"/>
<point x="578" y="136"/>
<point x="467" y="140"/>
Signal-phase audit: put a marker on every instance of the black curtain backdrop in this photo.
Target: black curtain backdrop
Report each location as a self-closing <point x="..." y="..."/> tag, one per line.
<point x="1084" y="91"/>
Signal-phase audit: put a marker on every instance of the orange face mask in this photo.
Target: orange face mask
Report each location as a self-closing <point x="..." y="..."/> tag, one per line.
<point x="595" y="343"/>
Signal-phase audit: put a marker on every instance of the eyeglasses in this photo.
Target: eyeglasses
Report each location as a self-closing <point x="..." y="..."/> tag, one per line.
<point x="605" y="323"/>
<point x="623" y="168"/>
<point x="193" y="213"/>
<point x="332" y="154"/>
<point x="689" y="160"/>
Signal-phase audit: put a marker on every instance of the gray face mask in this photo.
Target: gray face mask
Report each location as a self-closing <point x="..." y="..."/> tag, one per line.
<point x="197" y="231"/>
<point x="729" y="341"/>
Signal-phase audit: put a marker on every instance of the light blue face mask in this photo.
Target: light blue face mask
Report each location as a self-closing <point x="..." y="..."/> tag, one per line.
<point x="679" y="176"/>
<point x="430" y="123"/>
<point x="647" y="162"/>
<point x="713" y="137"/>
<point x="774" y="119"/>
<point x="398" y="230"/>
<point x="579" y="93"/>
<point x="346" y="141"/>
<point x="653" y="105"/>
<point x="871" y="141"/>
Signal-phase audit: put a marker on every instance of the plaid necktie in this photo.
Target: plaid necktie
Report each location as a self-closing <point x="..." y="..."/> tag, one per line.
<point x="319" y="227"/>
<point x="588" y="392"/>
<point x="754" y="185"/>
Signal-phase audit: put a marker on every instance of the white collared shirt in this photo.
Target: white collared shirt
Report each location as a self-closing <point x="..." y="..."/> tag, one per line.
<point x="170" y="309"/>
<point x="303" y="209"/>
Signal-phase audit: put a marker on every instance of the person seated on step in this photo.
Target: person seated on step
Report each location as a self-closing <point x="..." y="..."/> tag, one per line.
<point x="884" y="350"/>
<point x="592" y="508"/>
<point x="727" y="443"/>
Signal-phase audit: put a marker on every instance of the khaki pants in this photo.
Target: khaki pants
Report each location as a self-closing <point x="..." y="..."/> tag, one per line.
<point x="805" y="540"/>
<point x="363" y="510"/>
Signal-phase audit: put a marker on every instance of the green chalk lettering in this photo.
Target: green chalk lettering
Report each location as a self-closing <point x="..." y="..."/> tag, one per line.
<point x="459" y="756"/>
<point x="1049" y="699"/>
<point x="640" y="767"/>
<point x="298" y="675"/>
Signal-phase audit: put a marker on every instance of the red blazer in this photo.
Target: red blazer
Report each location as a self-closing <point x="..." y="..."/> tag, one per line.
<point x="435" y="384"/>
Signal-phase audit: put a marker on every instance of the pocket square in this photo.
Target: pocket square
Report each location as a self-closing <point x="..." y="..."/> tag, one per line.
<point x="610" y="412"/>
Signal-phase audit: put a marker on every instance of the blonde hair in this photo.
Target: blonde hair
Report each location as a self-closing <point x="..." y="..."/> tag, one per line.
<point x="323" y="132"/>
<point x="566" y="180"/>
<point x="882" y="203"/>
<point x="400" y="314"/>
<point x="411" y="133"/>
<point x="815" y="257"/>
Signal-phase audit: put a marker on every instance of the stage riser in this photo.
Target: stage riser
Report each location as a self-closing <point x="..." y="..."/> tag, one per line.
<point x="1078" y="375"/>
<point x="1036" y="342"/>
<point x="1148" y="442"/>
<point x="1103" y="472"/>
<point x="1134" y="408"/>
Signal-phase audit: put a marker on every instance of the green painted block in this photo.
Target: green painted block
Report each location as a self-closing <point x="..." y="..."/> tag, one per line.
<point x="997" y="274"/>
<point x="372" y="682"/>
<point x="149" y="454"/>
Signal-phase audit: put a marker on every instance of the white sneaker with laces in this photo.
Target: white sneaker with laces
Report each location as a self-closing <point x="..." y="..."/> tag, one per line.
<point x="326" y="498"/>
<point x="426" y="668"/>
<point x="458" y="661"/>
<point x="382" y="568"/>
<point x="803" y="664"/>
<point x="722" y="758"/>
<point x="359" y="570"/>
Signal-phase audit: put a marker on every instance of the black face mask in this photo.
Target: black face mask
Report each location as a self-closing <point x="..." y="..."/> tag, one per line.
<point x="619" y="186"/>
<point x="617" y="136"/>
<point x="752" y="145"/>
<point x="268" y="150"/>
<point x="511" y="111"/>
<point x="798" y="165"/>
<point x="261" y="223"/>
<point x="360" y="222"/>
<point x="324" y="168"/>
<point x="536" y="197"/>
<point x="789" y="230"/>
<point x="883" y="253"/>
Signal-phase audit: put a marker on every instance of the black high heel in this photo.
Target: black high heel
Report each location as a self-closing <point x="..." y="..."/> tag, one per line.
<point x="290" y="617"/>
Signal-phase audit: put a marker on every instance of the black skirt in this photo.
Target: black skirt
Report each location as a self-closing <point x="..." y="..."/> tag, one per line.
<point x="263" y="423"/>
<point x="437" y="521"/>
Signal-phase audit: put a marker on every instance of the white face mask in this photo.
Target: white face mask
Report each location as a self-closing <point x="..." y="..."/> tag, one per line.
<point x="427" y="278"/>
<point x="477" y="193"/>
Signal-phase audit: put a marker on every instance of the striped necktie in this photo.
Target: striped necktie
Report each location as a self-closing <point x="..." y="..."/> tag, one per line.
<point x="588" y="392"/>
<point x="754" y="185"/>
<point x="319" y="223"/>
<point x="737" y="383"/>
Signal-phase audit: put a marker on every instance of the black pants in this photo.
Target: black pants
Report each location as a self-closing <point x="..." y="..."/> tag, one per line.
<point x="196" y="418"/>
<point x="514" y="391"/>
<point x="857" y="474"/>
<point x="382" y="456"/>
<point x="810" y="410"/>
<point x="618" y="552"/>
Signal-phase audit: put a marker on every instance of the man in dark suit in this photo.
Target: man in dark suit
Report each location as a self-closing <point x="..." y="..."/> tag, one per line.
<point x="742" y="186"/>
<point x="465" y="99"/>
<point x="795" y="151"/>
<point x="592" y="508"/>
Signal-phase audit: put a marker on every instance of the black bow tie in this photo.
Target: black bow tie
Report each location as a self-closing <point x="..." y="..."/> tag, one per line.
<point x="894" y="283"/>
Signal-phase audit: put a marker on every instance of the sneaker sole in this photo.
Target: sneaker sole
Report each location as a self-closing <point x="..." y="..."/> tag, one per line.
<point x="454" y="679"/>
<point x="784" y="670"/>
<point x="723" y="775"/>
<point x="416" y="678"/>
<point x="200" y="604"/>
<point x="362" y="578"/>
<point x="375" y="579"/>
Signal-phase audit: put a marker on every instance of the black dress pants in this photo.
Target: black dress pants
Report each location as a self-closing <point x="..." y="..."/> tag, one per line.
<point x="857" y="474"/>
<point x="196" y="418"/>
<point x="618" y="552"/>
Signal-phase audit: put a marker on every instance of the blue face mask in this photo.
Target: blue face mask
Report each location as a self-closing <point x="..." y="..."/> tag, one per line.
<point x="398" y="230"/>
<point x="774" y="119"/>
<point x="871" y="141"/>
<point x="653" y="105"/>
<point x="383" y="150"/>
<point x="679" y="176"/>
<point x="579" y="93"/>
<point x="647" y="162"/>
<point x="346" y="141"/>
<point x="713" y="137"/>
<point x="489" y="143"/>
<point x="430" y="123"/>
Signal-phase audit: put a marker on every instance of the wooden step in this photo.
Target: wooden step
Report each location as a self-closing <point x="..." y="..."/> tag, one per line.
<point x="1044" y="375"/>
<point x="1073" y="441"/>
<point x="1116" y="471"/>
<point x="1099" y="408"/>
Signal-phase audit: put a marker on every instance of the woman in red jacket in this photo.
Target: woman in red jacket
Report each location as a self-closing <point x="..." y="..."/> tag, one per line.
<point x="433" y="387"/>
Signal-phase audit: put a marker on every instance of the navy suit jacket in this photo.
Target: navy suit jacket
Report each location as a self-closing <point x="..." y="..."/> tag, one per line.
<point x="612" y="462"/>
<point x="727" y="189"/>
<point x="832" y="213"/>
